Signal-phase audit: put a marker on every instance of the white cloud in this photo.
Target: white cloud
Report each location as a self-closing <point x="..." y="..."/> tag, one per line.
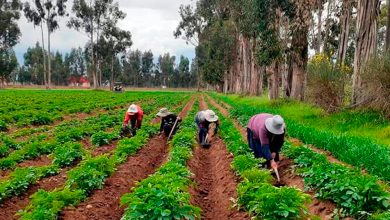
<point x="151" y="23"/>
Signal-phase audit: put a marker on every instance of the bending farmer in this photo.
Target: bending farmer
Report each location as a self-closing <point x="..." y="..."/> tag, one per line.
<point x="168" y="121"/>
<point x="207" y="122"/>
<point x="135" y="115"/>
<point x="266" y="137"/>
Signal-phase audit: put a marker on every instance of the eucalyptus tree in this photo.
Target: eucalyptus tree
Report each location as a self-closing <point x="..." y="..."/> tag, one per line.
<point x="46" y="11"/>
<point x="91" y="17"/>
<point x="9" y="37"/>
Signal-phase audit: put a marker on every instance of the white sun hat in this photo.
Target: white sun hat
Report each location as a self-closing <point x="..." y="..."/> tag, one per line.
<point x="211" y="116"/>
<point x="132" y="109"/>
<point x="164" y="112"/>
<point x="275" y="125"/>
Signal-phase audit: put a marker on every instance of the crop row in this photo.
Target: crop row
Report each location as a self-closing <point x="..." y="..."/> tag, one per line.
<point x="90" y="174"/>
<point x="164" y="195"/>
<point x="360" y="152"/>
<point x="69" y="131"/>
<point x="256" y="194"/>
<point x="355" y="194"/>
<point x="40" y="108"/>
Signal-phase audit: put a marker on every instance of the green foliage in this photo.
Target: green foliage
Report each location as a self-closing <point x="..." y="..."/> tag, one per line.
<point x="41" y="119"/>
<point x="354" y="193"/>
<point x="66" y="154"/>
<point x="47" y="205"/>
<point x="101" y="138"/>
<point x="91" y="174"/>
<point x="352" y="137"/>
<point x="3" y="126"/>
<point x="21" y="179"/>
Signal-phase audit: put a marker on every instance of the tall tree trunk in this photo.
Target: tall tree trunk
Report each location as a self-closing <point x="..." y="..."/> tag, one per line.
<point x="366" y="40"/>
<point x="345" y="20"/>
<point x="327" y="25"/>
<point x="44" y="58"/>
<point x="299" y="61"/>
<point x="319" y="28"/>
<point x="254" y="79"/>
<point x="49" y="55"/>
<point x="93" y="69"/>
<point x="238" y="84"/>
<point x="273" y="81"/>
<point x="112" y="74"/>
<point x="245" y="70"/>
<point x="388" y="26"/>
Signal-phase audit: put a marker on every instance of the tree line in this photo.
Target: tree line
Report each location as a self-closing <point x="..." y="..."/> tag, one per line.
<point x="105" y="58"/>
<point x="317" y="50"/>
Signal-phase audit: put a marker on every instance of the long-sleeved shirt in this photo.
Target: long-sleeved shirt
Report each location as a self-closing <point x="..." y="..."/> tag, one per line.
<point x="168" y="120"/>
<point x="138" y="116"/>
<point x="257" y="126"/>
<point x="200" y="119"/>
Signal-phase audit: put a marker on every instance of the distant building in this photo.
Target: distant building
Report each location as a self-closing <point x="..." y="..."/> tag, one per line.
<point x="81" y="81"/>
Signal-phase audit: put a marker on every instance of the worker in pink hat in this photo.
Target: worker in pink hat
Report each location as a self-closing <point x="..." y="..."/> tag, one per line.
<point x="134" y="115"/>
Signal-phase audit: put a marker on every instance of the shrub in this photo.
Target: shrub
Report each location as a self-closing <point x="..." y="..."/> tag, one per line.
<point x="375" y="91"/>
<point x="66" y="154"/>
<point x="325" y="84"/>
<point x="41" y="119"/>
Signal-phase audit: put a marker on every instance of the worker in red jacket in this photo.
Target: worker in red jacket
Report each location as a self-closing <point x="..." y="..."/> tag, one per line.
<point x="134" y="114"/>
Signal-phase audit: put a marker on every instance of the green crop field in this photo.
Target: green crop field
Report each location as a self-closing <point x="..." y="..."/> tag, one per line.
<point x="61" y="157"/>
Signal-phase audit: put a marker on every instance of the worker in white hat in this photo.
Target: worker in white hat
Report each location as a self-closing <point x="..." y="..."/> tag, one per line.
<point x="134" y="115"/>
<point x="169" y="121"/>
<point x="208" y="123"/>
<point x="266" y="137"/>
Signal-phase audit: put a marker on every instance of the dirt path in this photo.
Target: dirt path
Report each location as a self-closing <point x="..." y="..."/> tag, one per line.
<point x="215" y="182"/>
<point x="105" y="203"/>
<point x="323" y="209"/>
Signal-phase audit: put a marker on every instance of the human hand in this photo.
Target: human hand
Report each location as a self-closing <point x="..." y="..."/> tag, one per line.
<point x="274" y="165"/>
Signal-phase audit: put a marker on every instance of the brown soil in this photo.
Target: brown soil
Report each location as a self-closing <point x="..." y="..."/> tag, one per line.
<point x="11" y="206"/>
<point x="323" y="208"/>
<point x="216" y="183"/>
<point x="40" y="161"/>
<point x="104" y="149"/>
<point x="105" y="203"/>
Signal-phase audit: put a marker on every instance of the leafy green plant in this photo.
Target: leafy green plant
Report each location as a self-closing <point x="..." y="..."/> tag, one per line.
<point x="354" y="193"/>
<point x="41" y="119"/>
<point x="3" y="125"/>
<point x="67" y="154"/>
<point x="101" y="138"/>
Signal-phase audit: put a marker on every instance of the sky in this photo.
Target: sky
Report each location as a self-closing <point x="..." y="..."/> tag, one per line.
<point x="151" y="23"/>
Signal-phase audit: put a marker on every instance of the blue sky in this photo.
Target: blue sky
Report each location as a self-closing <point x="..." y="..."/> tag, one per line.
<point x="151" y="23"/>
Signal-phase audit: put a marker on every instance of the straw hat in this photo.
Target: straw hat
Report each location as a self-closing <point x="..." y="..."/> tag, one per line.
<point x="164" y="112"/>
<point x="211" y="116"/>
<point x="132" y="109"/>
<point x="275" y="125"/>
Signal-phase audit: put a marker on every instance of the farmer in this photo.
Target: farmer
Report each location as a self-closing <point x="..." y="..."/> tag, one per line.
<point x="168" y="120"/>
<point x="266" y="137"/>
<point x="207" y="122"/>
<point x="134" y="114"/>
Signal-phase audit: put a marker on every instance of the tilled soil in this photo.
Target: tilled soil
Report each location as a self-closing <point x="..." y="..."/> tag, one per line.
<point x="11" y="206"/>
<point x="105" y="203"/>
<point x="323" y="208"/>
<point x="215" y="182"/>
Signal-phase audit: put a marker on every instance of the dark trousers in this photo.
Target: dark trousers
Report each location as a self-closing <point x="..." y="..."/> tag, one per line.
<point x="202" y="131"/>
<point x="133" y="128"/>
<point x="167" y="128"/>
<point x="255" y="146"/>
